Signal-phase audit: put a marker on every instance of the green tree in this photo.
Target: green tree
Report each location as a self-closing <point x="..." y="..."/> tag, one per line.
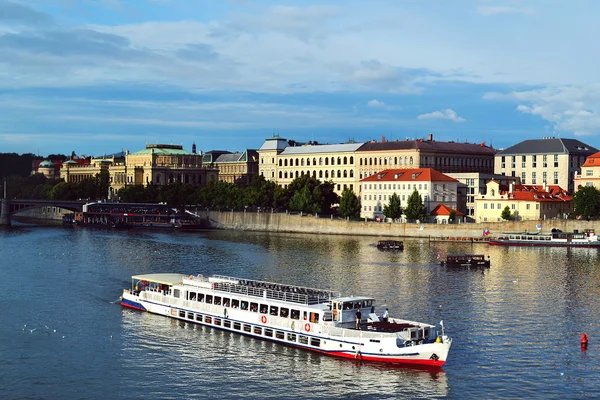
<point x="393" y="209"/>
<point x="317" y="197"/>
<point x="506" y="215"/>
<point x="585" y="202"/>
<point x="302" y="201"/>
<point x="415" y="209"/>
<point x="63" y="191"/>
<point x="349" y="204"/>
<point x="452" y="216"/>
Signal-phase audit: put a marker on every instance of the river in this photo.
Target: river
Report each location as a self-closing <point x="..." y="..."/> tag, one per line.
<point x="516" y="326"/>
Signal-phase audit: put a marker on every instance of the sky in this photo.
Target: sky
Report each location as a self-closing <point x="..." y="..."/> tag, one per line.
<point x="101" y="76"/>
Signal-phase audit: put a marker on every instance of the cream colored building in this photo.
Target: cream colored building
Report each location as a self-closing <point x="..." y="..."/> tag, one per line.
<point x="434" y="187"/>
<point x="590" y="173"/>
<point x="158" y="164"/>
<point x="550" y="161"/>
<point x="526" y="202"/>
<point x="237" y="168"/>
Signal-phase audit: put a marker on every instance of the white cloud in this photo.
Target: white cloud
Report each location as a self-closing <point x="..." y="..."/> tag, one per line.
<point x="496" y="10"/>
<point x="448" y="114"/>
<point x="572" y="109"/>
<point x="376" y="103"/>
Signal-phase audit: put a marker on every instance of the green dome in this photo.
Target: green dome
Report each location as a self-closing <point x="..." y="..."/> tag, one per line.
<point x="46" y="164"/>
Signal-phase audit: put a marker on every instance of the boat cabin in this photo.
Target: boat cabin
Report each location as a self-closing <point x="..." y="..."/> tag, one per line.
<point x="466" y="260"/>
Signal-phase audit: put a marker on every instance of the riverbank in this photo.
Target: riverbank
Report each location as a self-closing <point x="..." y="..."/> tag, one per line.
<point x="295" y="223"/>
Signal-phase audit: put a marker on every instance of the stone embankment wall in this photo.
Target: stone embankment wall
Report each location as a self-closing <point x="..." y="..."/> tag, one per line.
<point x="48" y="213"/>
<point x="281" y="222"/>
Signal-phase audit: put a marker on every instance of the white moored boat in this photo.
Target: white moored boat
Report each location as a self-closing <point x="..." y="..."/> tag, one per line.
<point x="312" y="319"/>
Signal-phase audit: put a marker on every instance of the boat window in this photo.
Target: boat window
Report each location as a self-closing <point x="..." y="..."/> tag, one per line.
<point x="182" y="314"/>
<point x="279" y="334"/>
<point x="314" y="317"/>
<point x="217" y="300"/>
<point x="218" y="321"/>
<point x="237" y="325"/>
<point x="209" y="299"/>
<point x="247" y="328"/>
<point x="235" y="303"/>
<point x="200" y="297"/>
<point x="369" y="303"/>
<point x="303" y="339"/>
<point x="199" y="317"/>
<point x="347" y="306"/>
<point x="258" y="330"/>
<point x="264" y="308"/>
<point x="227" y="323"/>
<point x="269" y="332"/>
<point x="193" y="296"/>
<point x="357" y="305"/>
<point x="305" y="315"/>
<point x="284" y="312"/>
<point x="414" y="334"/>
<point x="226" y="301"/>
<point x="244" y="305"/>
<point x="254" y="307"/>
<point x="295" y="314"/>
<point x="315" y="342"/>
<point x="426" y="334"/>
<point x="291" y="337"/>
<point x="327" y="316"/>
<point x="208" y="320"/>
<point x="190" y="315"/>
<point x="274" y="310"/>
<point x="364" y="304"/>
<point x="176" y="293"/>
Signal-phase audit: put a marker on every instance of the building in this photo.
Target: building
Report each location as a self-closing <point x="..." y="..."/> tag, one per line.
<point x="434" y="187"/>
<point x="283" y="163"/>
<point x="590" y="173"/>
<point x="441" y="214"/>
<point x="445" y="157"/>
<point x="237" y="168"/>
<point x="525" y="202"/>
<point x="51" y="170"/>
<point x="550" y="161"/>
<point x="346" y="164"/>
<point x="472" y="184"/>
<point x="158" y="164"/>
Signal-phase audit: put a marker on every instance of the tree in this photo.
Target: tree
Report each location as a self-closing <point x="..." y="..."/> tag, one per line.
<point x="349" y="204"/>
<point x="506" y="215"/>
<point x="316" y="198"/>
<point x="393" y="209"/>
<point x="415" y="209"/>
<point x="302" y="201"/>
<point x="452" y="216"/>
<point x="585" y="202"/>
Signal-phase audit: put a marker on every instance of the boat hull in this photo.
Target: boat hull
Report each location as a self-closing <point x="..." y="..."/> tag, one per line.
<point x="432" y="354"/>
<point x="526" y="243"/>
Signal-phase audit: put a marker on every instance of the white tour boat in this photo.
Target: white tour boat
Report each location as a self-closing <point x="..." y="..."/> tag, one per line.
<point x="556" y="238"/>
<point x="312" y="319"/>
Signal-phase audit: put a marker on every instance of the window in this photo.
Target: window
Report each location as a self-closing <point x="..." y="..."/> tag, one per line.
<point x="269" y="332"/>
<point x="209" y="299"/>
<point x="556" y="177"/>
<point x="499" y="206"/>
<point x="523" y="175"/>
<point x="258" y="330"/>
<point x="588" y="172"/>
<point x="533" y="178"/>
<point x="527" y="206"/>
<point x="534" y="161"/>
<point x="284" y="312"/>
<point x="291" y="337"/>
<point x="556" y="161"/>
<point x="295" y="314"/>
<point x="264" y="308"/>
<point x="235" y="303"/>
<point x="274" y="310"/>
<point x="545" y="161"/>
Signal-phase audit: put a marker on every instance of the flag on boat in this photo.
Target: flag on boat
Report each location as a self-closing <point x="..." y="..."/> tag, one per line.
<point x="486" y="232"/>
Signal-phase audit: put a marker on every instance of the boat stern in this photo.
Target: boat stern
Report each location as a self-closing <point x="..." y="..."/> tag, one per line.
<point x="131" y="300"/>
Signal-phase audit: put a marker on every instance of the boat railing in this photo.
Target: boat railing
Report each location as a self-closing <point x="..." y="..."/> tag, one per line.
<point x="271" y="294"/>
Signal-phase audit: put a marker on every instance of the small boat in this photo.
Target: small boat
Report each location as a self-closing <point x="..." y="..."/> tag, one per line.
<point x="466" y="260"/>
<point x="318" y="320"/>
<point x="390" y="245"/>
<point x="556" y="238"/>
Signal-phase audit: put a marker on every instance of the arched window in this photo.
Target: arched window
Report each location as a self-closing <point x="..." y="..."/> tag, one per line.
<point x="285" y="175"/>
<point x="314" y="174"/>
<point x="405" y="160"/>
<point x="395" y="160"/>
<point x="280" y="162"/>
<point x="345" y="173"/>
<point x="351" y="160"/>
<point x="320" y="174"/>
<point x="308" y="161"/>
<point x="326" y="174"/>
<point x="411" y="160"/>
<point x="285" y="162"/>
<point x="296" y="162"/>
<point x="339" y="161"/>
<point x="332" y="161"/>
<point x="360" y="161"/>
<point x="326" y="161"/>
<point x="297" y="174"/>
<point x="390" y="160"/>
<point x="352" y="174"/>
<point x="385" y="161"/>
<point x="320" y="161"/>
<point x="339" y="174"/>
<point x="345" y="160"/>
<point x="370" y="161"/>
<point x="302" y="162"/>
<point x="332" y="174"/>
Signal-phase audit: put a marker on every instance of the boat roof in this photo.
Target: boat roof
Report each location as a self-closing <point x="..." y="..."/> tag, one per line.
<point x="162" y="278"/>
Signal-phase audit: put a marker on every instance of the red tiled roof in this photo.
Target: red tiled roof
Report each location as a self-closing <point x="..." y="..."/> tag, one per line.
<point x="408" y="175"/>
<point x="552" y="193"/>
<point x="592" y="161"/>
<point x="442" y="209"/>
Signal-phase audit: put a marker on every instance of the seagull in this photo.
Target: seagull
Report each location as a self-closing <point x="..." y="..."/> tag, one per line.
<point x="516" y="281"/>
<point x="46" y="326"/>
<point x="31" y="330"/>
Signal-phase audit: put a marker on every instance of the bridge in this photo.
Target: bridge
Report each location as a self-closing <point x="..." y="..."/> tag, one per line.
<point x="14" y="206"/>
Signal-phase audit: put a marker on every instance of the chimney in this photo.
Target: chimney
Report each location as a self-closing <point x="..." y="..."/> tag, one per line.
<point x="382" y="139"/>
<point x="511" y="187"/>
<point x="430" y="137"/>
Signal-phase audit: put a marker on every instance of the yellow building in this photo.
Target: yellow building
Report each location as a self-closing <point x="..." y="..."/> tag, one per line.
<point x="550" y="161"/>
<point x="237" y="168"/>
<point x="590" y="173"/>
<point x="525" y="202"/>
<point x="158" y="164"/>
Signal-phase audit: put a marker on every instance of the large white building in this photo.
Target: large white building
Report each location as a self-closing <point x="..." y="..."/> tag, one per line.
<point x="434" y="187"/>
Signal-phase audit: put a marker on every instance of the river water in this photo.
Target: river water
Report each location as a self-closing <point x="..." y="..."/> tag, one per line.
<point x="516" y="326"/>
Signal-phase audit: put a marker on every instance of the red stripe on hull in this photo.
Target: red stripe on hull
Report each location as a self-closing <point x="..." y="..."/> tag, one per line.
<point x="132" y="306"/>
<point x="387" y="360"/>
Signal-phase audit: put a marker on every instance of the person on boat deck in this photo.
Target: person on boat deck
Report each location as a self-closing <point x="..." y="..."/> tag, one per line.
<point x="386" y="315"/>
<point x="358" y="318"/>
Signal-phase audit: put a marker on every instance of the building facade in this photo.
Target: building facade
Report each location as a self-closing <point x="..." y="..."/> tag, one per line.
<point x="590" y="173"/>
<point x="525" y="202"/>
<point x="549" y="161"/>
<point x="434" y="188"/>
<point x="237" y="168"/>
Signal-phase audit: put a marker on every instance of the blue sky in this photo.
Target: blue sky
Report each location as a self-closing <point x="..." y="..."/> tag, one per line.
<point x="99" y="76"/>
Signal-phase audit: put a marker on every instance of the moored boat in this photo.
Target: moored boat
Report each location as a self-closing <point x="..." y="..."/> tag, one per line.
<point x="313" y="319"/>
<point x="466" y="260"/>
<point x="390" y="245"/>
<point x="586" y="238"/>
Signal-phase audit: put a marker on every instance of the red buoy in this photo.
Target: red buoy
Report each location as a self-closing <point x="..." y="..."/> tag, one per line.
<point x="584" y="340"/>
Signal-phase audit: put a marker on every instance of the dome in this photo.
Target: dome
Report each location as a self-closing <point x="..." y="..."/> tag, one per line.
<point x="71" y="162"/>
<point x="46" y="164"/>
